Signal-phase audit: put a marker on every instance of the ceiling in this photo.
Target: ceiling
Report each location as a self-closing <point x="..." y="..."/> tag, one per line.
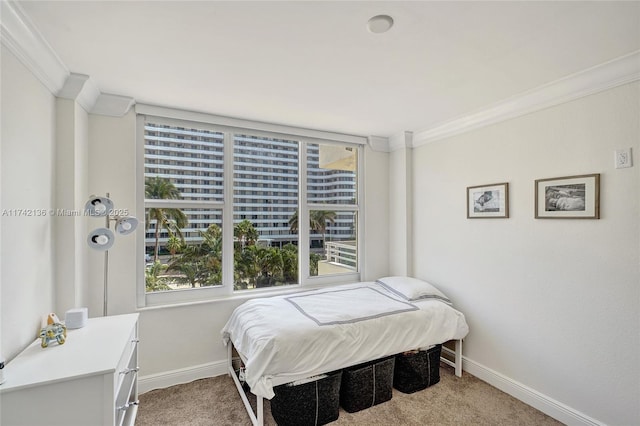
<point x="315" y="64"/>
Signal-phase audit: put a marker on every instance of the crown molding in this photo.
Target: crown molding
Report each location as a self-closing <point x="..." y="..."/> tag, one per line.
<point x="22" y="38"/>
<point x="394" y="143"/>
<point x="378" y="143"/>
<point x="112" y="105"/>
<point x="608" y="75"/>
<point x="401" y="140"/>
<point x="80" y="88"/>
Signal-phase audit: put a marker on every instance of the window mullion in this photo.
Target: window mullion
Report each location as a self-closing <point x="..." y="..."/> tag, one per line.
<point x="140" y="213"/>
<point x="334" y="207"/>
<point x="227" y="215"/>
<point x="180" y="204"/>
<point x="303" y="216"/>
<point x="360" y="213"/>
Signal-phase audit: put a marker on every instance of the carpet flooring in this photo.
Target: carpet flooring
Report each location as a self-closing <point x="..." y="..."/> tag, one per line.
<point x="452" y="401"/>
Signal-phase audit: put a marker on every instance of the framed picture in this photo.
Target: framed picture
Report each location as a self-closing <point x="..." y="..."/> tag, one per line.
<point x="488" y="201"/>
<point x="570" y="197"/>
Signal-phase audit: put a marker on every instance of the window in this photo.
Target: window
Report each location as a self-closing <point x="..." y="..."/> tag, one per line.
<point x="226" y="217"/>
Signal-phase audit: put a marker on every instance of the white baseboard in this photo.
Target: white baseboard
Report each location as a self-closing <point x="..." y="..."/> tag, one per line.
<point x="183" y="375"/>
<point x="544" y="403"/>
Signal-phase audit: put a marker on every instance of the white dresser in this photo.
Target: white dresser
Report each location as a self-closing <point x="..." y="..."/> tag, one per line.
<point x="89" y="380"/>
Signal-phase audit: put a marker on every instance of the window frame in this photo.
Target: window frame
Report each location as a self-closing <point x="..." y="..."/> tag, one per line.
<point x="230" y="127"/>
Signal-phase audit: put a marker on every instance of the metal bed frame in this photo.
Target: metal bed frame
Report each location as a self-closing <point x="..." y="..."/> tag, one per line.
<point x="257" y="419"/>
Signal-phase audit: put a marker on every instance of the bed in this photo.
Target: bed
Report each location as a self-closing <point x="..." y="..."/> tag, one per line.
<point x="290" y="337"/>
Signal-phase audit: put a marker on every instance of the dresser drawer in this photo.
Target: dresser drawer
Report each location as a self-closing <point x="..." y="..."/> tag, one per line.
<point x="126" y="379"/>
<point x="126" y="392"/>
<point x="127" y="353"/>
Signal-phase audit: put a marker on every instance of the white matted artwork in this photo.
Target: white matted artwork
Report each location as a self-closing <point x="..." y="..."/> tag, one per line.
<point x="570" y="197"/>
<point x="488" y="201"/>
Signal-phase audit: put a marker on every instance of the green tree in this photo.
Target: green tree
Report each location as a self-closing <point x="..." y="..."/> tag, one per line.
<point x="201" y="264"/>
<point x="153" y="281"/>
<point x="293" y="222"/>
<point x="174" y="245"/>
<point x="245" y="269"/>
<point x="290" y="263"/>
<point x="171" y="219"/>
<point x="269" y="264"/>
<point x="245" y="233"/>
<point x="313" y="264"/>
<point x="190" y="272"/>
<point x="319" y="219"/>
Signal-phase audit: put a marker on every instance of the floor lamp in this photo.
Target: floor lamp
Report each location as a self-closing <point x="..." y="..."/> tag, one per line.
<point x="103" y="238"/>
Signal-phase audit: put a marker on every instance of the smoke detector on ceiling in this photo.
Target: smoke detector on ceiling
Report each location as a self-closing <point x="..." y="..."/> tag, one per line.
<point x="380" y="24"/>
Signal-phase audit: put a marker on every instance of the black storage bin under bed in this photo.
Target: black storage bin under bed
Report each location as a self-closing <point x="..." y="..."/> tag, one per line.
<point x="315" y="402"/>
<point x="417" y="371"/>
<point x="366" y="385"/>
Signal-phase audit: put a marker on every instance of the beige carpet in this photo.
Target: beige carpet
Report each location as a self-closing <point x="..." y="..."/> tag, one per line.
<point x="453" y="401"/>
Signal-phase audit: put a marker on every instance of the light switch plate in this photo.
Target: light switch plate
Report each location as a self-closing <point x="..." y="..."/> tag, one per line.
<point x="623" y="158"/>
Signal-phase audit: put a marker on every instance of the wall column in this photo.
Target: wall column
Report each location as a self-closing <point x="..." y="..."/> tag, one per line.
<point x="71" y="177"/>
<point x="401" y="204"/>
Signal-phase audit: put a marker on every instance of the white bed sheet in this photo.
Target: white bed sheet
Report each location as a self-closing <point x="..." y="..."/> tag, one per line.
<point x="290" y="337"/>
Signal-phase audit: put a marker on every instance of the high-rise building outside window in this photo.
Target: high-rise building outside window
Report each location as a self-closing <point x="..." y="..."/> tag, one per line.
<point x="228" y="216"/>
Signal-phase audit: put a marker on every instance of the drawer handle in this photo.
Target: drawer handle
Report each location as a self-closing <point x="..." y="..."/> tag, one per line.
<point x="135" y="341"/>
<point x="126" y="406"/>
<point x="130" y="370"/>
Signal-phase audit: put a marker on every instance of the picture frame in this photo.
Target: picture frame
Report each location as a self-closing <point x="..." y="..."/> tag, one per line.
<point x="488" y="201"/>
<point x="568" y="197"/>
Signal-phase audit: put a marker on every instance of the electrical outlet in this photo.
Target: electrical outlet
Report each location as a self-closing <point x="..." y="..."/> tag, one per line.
<point x="623" y="158"/>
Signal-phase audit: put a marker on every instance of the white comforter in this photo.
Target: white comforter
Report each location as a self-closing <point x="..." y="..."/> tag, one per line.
<point x="290" y="337"/>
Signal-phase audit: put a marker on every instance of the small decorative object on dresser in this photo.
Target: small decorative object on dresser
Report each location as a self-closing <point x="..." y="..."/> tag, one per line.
<point x="90" y="380"/>
<point x="76" y="318"/>
<point x="52" y="331"/>
<point x="55" y="332"/>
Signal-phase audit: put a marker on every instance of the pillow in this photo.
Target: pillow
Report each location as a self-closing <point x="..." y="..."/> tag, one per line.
<point x="412" y="288"/>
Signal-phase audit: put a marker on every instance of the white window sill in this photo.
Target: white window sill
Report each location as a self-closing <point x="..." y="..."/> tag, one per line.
<point x="244" y="295"/>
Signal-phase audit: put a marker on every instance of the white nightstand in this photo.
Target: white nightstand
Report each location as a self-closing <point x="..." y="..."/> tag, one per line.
<point x="89" y="380"/>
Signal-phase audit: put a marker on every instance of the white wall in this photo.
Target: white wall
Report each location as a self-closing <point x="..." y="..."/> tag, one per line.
<point x="552" y="304"/>
<point x="376" y="198"/>
<point x="400" y="223"/>
<point x="71" y="157"/>
<point x="27" y="166"/>
<point x="112" y="165"/>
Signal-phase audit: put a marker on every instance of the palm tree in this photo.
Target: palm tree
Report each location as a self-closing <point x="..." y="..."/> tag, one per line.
<point x="172" y="219"/>
<point x="290" y="263"/>
<point x="174" y="245"/>
<point x="245" y="233"/>
<point x="319" y="219"/>
<point x="270" y="264"/>
<point x="245" y="269"/>
<point x="313" y="264"/>
<point x="153" y="281"/>
<point x="293" y="222"/>
<point x="201" y="263"/>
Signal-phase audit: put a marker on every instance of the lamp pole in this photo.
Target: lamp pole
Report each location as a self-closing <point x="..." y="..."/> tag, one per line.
<point x="106" y="270"/>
